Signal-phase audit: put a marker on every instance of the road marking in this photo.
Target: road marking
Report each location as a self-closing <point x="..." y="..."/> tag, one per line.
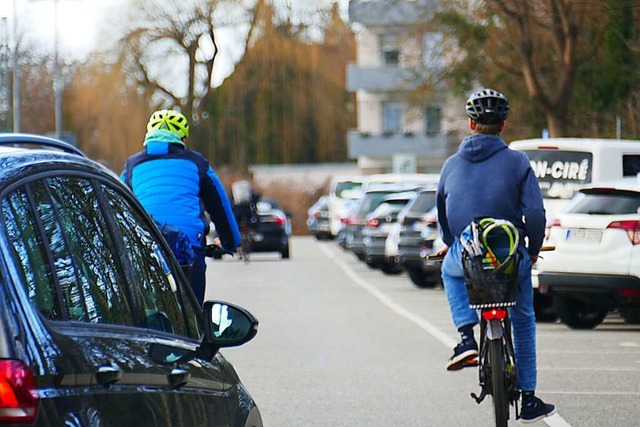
<point x="553" y="421"/>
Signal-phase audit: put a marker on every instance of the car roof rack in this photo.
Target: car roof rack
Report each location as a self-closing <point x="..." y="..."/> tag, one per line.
<point x="30" y="139"/>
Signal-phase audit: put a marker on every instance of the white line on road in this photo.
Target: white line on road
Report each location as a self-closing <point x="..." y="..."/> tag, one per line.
<point x="553" y="421"/>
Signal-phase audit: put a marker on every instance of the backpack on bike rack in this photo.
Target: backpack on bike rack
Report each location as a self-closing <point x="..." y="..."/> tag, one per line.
<point x="490" y="259"/>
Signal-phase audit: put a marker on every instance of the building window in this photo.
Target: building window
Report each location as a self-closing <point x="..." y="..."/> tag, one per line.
<point x="391" y="117"/>
<point x="432" y="45"/>
<point x="433" y="119"/>
<point x="390" y="49"/>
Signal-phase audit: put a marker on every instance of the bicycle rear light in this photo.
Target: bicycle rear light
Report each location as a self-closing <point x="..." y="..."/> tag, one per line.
<point x="494" y="313"/>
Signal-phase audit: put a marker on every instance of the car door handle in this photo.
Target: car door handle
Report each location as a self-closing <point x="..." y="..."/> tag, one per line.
<point x="178" y="377"/>
<point x="108" y="374"/>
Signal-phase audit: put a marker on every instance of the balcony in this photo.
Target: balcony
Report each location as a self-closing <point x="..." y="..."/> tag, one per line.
<point x="381" y="79"/>
<point x="391" y="12"/>
<point x="383" y="146"/>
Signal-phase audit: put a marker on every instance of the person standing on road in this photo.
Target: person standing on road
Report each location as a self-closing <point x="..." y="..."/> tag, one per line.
<point x="487" y="179"/>
<point x="177" y="186"/>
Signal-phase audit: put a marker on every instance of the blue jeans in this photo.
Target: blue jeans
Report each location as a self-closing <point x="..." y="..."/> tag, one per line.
<point x="522" y="314"/>
<point x="198" y="275"/>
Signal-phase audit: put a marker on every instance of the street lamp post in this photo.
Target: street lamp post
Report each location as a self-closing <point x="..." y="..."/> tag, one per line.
<point x="57" y="90"/>
<point x="16" y="76"/>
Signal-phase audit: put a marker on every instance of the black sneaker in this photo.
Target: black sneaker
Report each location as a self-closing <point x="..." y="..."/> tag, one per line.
<point x="535" y="410"/>
<point x="464" y="353"/>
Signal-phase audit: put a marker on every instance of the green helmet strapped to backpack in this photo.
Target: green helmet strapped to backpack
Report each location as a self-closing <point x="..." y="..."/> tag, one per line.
<point x="170" y="120"/>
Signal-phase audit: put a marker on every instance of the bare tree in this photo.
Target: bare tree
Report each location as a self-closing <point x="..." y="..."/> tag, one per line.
<point x="171" y="46"/>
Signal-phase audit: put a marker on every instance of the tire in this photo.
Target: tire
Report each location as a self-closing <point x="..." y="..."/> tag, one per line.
<point x="578" y="314"/>
<point x="390" y="268"/>
<point x="543" y="308"/>
<point x="285" y="252"/>
<point x="421" y="279"/>
<point x="498" y="383"/>
<point x="631" y="315"/>
<point x="371" y="263"/>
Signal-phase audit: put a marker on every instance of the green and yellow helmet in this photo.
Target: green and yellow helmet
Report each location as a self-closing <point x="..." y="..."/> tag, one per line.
<point x="169" y="120"/>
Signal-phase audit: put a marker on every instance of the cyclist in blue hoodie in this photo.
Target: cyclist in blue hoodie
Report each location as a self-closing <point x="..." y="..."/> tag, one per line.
<point x="177" y="186"/>
<point x="487" y="179"/>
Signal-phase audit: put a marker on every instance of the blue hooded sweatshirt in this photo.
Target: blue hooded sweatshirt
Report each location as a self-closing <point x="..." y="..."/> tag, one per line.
<point x="487" y="179"/>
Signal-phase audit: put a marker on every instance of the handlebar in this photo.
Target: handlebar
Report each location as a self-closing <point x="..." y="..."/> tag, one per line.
<point x="215" y="251"/>
<point x="440" y="257"/>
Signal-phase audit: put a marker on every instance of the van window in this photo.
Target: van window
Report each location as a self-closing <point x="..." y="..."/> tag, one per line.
<point x="560" y="173"/>
<point x="630" y="165"/>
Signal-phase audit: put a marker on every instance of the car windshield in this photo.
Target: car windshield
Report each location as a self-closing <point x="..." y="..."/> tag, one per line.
<point x="370" y="201"/>
<point x="606" y="202"/>
<point x="422" y="203"/>
<point x="347" y="188"/>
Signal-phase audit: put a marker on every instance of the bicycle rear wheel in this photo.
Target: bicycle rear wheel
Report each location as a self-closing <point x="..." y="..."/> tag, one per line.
<point x="498" y="382"/>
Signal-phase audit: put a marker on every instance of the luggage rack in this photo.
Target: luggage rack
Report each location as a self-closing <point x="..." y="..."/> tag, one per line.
<point x="23" y="139"/>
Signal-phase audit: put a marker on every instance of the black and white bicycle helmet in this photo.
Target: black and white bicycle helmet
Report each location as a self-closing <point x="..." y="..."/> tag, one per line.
<point x="488" y="107"/>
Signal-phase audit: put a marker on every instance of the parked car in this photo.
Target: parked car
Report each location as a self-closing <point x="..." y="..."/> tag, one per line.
<point x="595" y="267"/>
<point x="419" y="237"/>
<point x="98" y="323"/>
<point x="377" y="227"/>
<point x="318" y="221"/>
<point x="349" y="212"/>
<point x="370" y="200"/>
<point x="274" y="229"/>
<point x="343" y="190"/>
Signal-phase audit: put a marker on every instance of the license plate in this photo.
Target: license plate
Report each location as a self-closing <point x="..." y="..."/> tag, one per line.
<point x="583" y="236"/>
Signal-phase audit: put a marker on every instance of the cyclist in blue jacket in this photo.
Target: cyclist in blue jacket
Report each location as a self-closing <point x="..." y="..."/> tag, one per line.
<point x="487" y="179"/>
<point x="177" y="186"/>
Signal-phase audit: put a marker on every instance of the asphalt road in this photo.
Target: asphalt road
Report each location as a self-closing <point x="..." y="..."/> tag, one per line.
<point x="341" y="344"/>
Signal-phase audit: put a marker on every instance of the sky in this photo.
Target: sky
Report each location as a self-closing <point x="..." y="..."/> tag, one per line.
<point x="79" y="23"/>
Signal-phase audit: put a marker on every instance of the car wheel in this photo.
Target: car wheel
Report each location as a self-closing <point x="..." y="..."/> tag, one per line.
<point x="579" y="314"/>
<point x="422" y="279"/>
<point x="631" y="315"/>
<point x="390" y="268"/>
<point x="285" y="252"/>
<point x="370" y="262"/>
<point x="543" y="308"/>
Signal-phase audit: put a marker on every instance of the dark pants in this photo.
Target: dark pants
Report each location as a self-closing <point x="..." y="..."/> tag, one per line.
<point x="198" y="275"/>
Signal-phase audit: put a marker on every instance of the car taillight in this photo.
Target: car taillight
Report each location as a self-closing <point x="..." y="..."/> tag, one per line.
<point x="631" y="227"/>
<point x="279" y="220"/>
<point x="316" y="214"/>
<point x="373" y="223"/>
<point x="431" y="221"/>
<point x="554" y="223"/>
<point x="18" y="395"/>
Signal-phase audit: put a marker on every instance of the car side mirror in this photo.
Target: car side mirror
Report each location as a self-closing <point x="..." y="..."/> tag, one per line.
<point x="227" y="325"/>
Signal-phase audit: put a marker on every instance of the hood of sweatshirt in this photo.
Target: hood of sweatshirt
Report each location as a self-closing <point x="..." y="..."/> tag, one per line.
<point x="477" y="148"/>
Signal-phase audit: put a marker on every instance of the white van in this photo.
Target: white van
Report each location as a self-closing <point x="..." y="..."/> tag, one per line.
<point x="563" y="165"/>
<point x="343" y="188"/>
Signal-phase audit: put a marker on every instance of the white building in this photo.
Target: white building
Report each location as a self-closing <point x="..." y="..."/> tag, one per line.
<point x="397" y="48"/>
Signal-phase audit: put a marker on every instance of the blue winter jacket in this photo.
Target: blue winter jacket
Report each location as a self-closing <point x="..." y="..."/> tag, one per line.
<point x="487" y="179"/>
<point x="176" y="186"/>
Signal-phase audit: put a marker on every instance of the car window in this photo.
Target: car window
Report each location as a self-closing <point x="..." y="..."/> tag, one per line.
<point x="91" y="278"/>
<point x="422" y="203"/>
<point x="86" y="283"/>
<point x="30" y="250"/>
<point x="606" y="203"/>
<point x="166" y="307"/>
<point x="371" y="201"/>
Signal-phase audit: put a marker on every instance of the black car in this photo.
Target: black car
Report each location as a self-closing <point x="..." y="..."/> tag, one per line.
<point x="419" y="235"/>
<point x="274" y="228"/>
<point x="98" y="325"/>
<point x="377" y="226"/>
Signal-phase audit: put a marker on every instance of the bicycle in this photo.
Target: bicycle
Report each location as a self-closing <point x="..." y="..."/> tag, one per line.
<point x="492" y="280"/>
<point x="246" y="238"/>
